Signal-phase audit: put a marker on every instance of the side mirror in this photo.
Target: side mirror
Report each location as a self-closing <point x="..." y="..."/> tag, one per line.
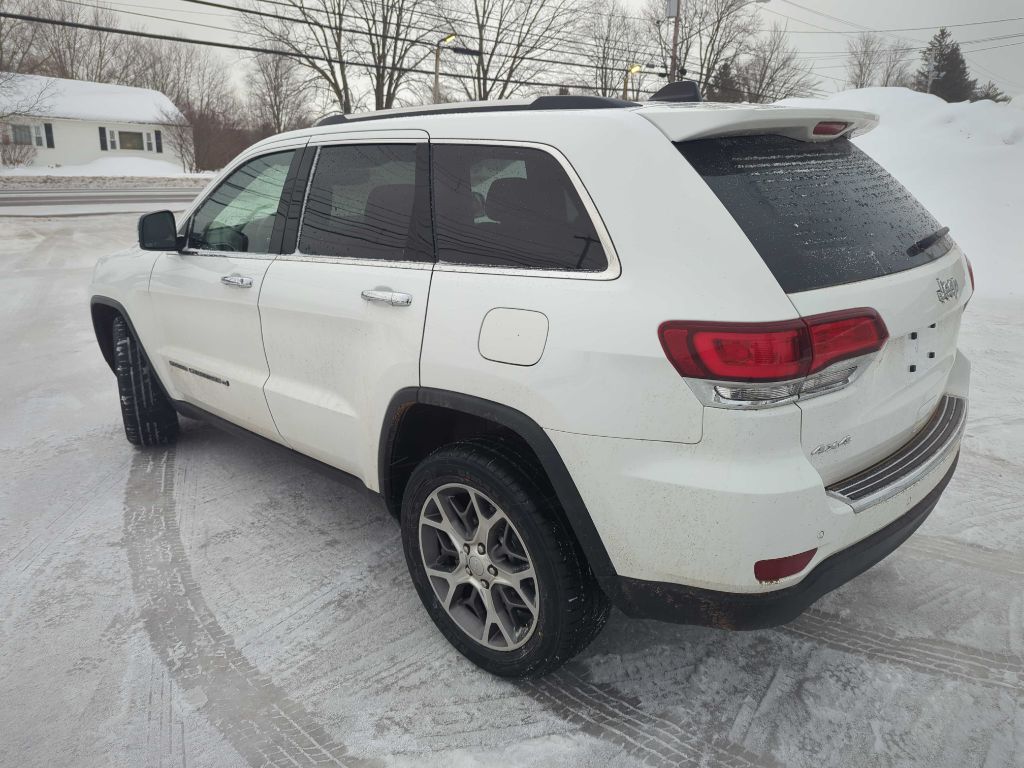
<point x="158" y="232"/>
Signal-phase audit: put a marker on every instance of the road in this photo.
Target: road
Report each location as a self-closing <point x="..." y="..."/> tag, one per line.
<point x="76" y="202"/>
<point x="219" y="604"/>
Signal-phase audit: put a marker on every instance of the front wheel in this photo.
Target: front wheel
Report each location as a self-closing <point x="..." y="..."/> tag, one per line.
<point x="149" y="418"/>
<point x="494" y="563"/>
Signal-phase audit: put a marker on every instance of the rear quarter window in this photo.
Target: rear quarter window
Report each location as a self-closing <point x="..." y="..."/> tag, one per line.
<point x="819" y="213"/>
<point x="501" y="206"/>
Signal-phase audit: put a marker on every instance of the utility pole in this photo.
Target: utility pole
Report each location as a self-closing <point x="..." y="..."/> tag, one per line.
<point x="673" y="67"/>
<point x="933" y="73"/>
<point x="631" y="70"/>
<point x="437" y="65"/>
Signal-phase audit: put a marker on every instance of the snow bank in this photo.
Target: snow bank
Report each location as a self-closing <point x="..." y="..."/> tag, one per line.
<point x="964" y="161"/>
<point x="107" y="166"/>
<point x="83" y="100"/>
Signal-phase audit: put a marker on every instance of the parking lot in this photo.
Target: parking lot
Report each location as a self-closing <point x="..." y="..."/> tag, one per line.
<point x="220" y="604"/>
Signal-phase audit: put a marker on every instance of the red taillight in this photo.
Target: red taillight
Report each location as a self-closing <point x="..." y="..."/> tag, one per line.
<point x="779" y="351"/>
<point x="841" y="335"/>
<point x="737" y="351"/>
<point x="970" y="272"/>
<point x="829" y="128"/>
<point x="781" y="567"/>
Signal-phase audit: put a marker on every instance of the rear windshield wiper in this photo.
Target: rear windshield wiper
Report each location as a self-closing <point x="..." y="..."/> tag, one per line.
<point x="925" y="243"/>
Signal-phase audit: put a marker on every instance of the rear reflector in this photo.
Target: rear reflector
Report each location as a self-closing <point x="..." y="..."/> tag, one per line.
<point x="781" y="567"/>
<point x="779" y="351"/>
<point x="829" y="128"/>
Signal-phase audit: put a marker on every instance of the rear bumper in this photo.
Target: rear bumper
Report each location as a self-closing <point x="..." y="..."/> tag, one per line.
<point x="743" y="610"/>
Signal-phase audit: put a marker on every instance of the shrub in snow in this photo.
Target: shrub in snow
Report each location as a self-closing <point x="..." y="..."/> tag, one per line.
<point x="15" y="155"/>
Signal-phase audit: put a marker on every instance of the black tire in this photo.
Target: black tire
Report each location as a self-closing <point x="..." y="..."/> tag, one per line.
<point x="571" y="608"/>
<point x="149" y="418"/>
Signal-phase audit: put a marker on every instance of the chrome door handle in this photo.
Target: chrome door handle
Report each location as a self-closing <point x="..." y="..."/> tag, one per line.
<point x="239" y="281"/>
<point x="394" y="298"/>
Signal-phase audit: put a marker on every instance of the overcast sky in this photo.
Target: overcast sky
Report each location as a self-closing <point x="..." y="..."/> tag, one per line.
<point x="820" y="39"/>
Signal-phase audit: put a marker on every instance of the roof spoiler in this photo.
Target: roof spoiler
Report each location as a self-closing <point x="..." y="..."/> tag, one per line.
<point x="680" y="90"/>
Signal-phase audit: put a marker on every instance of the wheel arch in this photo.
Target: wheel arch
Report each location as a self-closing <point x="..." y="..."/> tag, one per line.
<point x="443" y="416"/>
<point x="104" y="310"/>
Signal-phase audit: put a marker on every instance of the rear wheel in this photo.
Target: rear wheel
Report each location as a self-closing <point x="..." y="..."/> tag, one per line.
<point x="149" y="418"/>
<point x="493" y="562"/>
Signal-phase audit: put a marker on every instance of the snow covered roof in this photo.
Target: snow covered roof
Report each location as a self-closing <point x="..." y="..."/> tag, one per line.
<point x="82" y="100"/>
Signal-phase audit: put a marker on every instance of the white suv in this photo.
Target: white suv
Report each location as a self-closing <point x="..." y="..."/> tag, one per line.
<point x="697" y="361"/>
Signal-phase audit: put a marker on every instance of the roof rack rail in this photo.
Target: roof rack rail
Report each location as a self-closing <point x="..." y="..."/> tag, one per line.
<point x="540" y="102"/>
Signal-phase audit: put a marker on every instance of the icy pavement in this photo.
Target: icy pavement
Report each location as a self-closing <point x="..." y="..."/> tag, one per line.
<point x="217" y="604"/>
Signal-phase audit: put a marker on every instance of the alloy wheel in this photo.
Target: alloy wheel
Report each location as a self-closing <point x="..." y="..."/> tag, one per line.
<point x="479" y="567"/>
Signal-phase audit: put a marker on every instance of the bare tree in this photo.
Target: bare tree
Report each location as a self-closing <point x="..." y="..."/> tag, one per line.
<point x="397" y="35"/>
<point x="314" y="34"/>
<point x="864" y="59"/>
<point x="18" y="48"/>
<point x="894" y="69"/>
<point x="208" y="128"/>
<point x="78" y="54"/>
<point x="178" y="136"/>
<point x="509" y="36"/>
<point x="772" y="71"/>
<point x="21" y="95"/>
<point x="617" y="41"/>
<point x="711" y="33"/>
<point x="279" y="93"/>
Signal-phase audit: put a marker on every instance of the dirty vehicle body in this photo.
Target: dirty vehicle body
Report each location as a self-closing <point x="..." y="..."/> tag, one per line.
<point x="695" y="361"/>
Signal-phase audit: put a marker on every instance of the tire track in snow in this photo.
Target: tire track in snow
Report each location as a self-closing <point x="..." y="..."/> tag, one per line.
<point x="601" y="711"/>
<point x="994" y="561"/>
<point x="930" y="656"/>
<point x="256" y="717"/>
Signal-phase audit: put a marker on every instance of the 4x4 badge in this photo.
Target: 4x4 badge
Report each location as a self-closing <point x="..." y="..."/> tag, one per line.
<point x="948" y="289"/>
<point x="826" y="447"/>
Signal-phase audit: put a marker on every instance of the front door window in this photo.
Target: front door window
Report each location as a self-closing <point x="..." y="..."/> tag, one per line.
<point x="239" y="215"/>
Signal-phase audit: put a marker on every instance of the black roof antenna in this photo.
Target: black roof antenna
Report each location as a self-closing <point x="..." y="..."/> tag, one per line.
<point x="680" y="90"/>
<point x="331" y="120"/>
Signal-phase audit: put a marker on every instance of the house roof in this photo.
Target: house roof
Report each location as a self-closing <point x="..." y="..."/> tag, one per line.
<point x="82" y="100"/>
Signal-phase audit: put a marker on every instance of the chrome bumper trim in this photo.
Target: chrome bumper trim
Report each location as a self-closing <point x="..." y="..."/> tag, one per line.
<point x="930" y="447"/>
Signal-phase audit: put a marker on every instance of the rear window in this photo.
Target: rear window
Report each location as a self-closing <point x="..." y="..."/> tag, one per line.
<point x="820" y="214"/>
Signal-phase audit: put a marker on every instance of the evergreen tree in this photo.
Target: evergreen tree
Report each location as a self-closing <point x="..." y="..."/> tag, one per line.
<point x="990" y="91"/>
<point x="724" y="86"/>
<point x="952" y="82"/>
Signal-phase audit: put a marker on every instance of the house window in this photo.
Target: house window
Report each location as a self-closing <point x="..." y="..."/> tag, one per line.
<point x="130" y="139"/>
<point x="113" y="138"/>
<point x="37" y="130"/>
<point x="21" y="134"/>
<point x="149" y="142"/>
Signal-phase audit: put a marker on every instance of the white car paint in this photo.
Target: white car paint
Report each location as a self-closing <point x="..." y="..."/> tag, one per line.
<point x="679" y="491"/>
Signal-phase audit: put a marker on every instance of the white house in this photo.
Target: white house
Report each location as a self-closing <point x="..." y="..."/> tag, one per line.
<point x="75" y="122"/>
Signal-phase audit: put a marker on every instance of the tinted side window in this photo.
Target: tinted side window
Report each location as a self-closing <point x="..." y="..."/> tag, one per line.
<point x="362" y="201"/>
<point x="240" y="214"/>
<point x="510" y="207"/>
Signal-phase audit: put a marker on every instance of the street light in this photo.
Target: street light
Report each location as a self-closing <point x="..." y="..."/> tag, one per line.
<point x="437" y="64"/>
<point x="673" y="69"/>
<point x="632" y="70"/>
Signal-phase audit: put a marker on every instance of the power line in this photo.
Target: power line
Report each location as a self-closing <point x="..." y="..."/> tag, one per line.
<point x="254" y="49"/>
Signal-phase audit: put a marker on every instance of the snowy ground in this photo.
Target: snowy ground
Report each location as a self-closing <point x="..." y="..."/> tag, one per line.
<point x="143" y="167"/>
<point x="217" y="604"/>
